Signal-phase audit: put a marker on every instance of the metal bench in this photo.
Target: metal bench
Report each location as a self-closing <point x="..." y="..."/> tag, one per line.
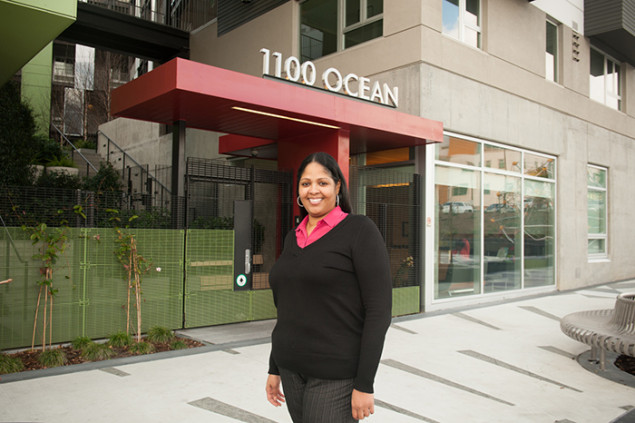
<point x="605" y="330"/>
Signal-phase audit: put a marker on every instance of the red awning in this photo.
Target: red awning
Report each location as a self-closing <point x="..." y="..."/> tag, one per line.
<point x="219" y="100"/>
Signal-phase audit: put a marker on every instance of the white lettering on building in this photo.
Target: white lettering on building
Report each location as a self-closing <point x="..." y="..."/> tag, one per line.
<point x="332" y="79"/>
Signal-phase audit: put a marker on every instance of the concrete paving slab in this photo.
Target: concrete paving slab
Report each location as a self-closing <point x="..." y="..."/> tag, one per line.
<point x="506" y="362"/>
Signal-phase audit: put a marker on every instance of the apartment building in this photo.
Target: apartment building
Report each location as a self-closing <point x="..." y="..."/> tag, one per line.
<point x="529" y="188"/>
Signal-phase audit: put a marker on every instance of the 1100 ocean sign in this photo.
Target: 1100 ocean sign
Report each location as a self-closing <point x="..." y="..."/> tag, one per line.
<point x="332" y="79"/>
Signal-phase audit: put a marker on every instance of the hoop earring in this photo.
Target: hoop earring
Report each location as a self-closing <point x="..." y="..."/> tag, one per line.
<point x="299" y="202"/>
<point x="337" y="200"/>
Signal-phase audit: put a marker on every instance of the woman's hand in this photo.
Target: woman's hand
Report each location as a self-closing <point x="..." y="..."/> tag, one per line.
<point x="363" y="404"/>
<point x="274" y="394"/>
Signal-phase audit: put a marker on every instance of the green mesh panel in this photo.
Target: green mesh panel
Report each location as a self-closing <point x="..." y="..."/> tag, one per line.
<point x="405" y="300"/>
<point x="106" y="299"/>
<point x="209" y="295"/>
<point x="92" y="295"/>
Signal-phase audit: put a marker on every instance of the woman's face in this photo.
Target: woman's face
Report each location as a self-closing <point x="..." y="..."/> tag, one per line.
<point x="317" y="190"/>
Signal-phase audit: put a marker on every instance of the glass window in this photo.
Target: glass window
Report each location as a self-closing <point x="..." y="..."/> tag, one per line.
<point x="362" y="21"/>
<point x="327" y="26"/>
<point x="504" y="158"/>
<point x="458" y="265"/>
<point x="551" y="52"/>
<point x="605" y="80"/>
<point x="353" y="12"/>
<point x="502" y="247"/>
<point x="539" y="233"/>
<point x="363" y="34"/>
<point x="494" y="222"/>
<point x="318" y="28"/>
<point x="374" y="8"/>
<point x="462" y="20"/>
<point x="460" y="151"/>
<point x="597" y="211"/>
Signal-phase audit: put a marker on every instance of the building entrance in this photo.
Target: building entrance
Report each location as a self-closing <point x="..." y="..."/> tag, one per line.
<point x="212" y="294"/>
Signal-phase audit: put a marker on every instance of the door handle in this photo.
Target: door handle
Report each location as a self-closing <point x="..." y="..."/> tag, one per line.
<point x="247" y="261"/>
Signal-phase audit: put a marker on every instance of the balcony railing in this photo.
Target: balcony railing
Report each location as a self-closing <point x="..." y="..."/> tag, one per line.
<point x="185" y="15"/>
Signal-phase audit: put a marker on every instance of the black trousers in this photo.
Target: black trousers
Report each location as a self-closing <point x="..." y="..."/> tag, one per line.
<point x="312" y="400"/>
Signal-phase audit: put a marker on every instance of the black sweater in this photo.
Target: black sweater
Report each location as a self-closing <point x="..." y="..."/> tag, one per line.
<point x="334" y="301"/>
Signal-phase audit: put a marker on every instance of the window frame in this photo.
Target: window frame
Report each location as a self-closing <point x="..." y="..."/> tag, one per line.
<point x="613" y="92"/>
<point x="603" y="236"/>
<point x="342" y="29"/>
<point x="462" y="25"/>
<point x="364" y="20"/>
<point x="556" y="59"/>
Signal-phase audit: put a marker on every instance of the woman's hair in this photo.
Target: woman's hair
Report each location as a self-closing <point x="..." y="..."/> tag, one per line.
<point x="333" y="168"/>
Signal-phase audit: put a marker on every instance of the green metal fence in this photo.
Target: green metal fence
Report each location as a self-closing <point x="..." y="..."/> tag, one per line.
<point x="92" y="288"/>
<point x="209" y="295"/>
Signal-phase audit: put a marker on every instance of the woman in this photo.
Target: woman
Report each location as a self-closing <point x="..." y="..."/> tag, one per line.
<point x="332" y="288"/>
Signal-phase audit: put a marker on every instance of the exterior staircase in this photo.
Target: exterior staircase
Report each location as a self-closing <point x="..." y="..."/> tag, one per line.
<point x="87" y="161"/>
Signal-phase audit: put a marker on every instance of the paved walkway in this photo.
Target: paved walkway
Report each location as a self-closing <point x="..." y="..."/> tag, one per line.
<point x="506" y="362"/>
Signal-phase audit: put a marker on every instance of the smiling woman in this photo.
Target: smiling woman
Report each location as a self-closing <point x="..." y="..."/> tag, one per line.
<point x="333" y="293"/>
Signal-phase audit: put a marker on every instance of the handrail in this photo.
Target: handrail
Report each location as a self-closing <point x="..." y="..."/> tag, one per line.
<point x="129" y="157"/>
<point x="74" y="148"/>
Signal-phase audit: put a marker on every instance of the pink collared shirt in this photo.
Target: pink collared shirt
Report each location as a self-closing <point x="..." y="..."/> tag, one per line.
<point x="327" y="223"/>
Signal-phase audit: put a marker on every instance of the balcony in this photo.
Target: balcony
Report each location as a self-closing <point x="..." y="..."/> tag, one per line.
<point x="610" y="25"/>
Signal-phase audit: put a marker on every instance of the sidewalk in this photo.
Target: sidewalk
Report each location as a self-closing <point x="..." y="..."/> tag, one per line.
<point x="506" y="362"/>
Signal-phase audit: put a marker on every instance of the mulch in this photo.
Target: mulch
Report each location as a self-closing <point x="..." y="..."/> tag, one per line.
<point x="626" y="364"/>
<point x="30" y="357"/>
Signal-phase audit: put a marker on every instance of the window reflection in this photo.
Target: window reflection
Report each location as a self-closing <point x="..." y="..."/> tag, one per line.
<point x="495" y="220"/>
<point x="460" y="151"/>
<point x="458" y="232"/>
<point x="597" y="210"/>
<point x="501" y="231"/>
<point x="539" y="166"/>
<point x="501" y="158"/>
<point x="551" y="52"/>
<point x="539" y="233"/>
<point x="451" y="18"/>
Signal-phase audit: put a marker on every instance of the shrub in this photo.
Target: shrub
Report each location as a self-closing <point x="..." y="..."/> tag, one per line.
<point x="50" y="179"/>
<point x="62" y="160"/>
<point x="10" y="364"/>
<point x="82" y="143"/>
<point x="178" y="345"/>
<point x="105" y="180"/>
<point x="47" y="149"/>
<point x="81" y="342"/>
<point x="120" y="339"/>
<point x="52" y="358"/>
<point x="97" y="352"/>
<point x="142" y="347"/>
<point x="160" y="335"/>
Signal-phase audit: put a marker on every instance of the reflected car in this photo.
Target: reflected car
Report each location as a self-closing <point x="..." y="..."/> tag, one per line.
<point x="457" y="207"/>
<point x="501" y="208"/>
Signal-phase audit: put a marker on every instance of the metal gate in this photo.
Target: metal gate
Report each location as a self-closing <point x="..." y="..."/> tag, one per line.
<point x="227" y="206"/>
